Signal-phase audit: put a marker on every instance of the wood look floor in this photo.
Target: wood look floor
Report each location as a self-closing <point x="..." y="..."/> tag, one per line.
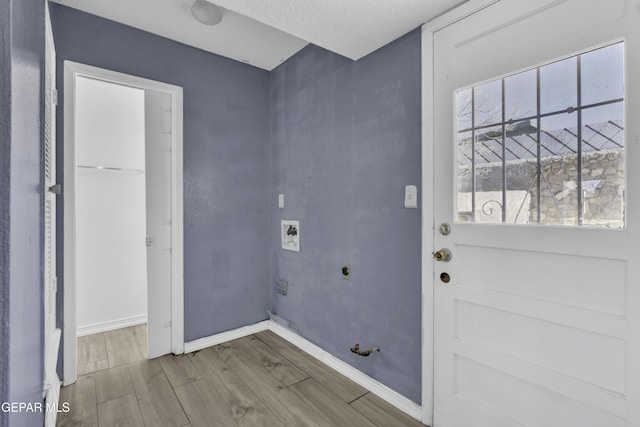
<point x="259" y="380"/>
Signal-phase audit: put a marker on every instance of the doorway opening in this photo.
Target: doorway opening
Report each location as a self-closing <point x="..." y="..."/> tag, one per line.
<point x="123" y="289"/>
<point x="111" y="292"/>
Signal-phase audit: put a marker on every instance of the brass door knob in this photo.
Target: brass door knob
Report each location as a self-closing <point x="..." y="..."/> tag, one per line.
<point x="442" y="255"/>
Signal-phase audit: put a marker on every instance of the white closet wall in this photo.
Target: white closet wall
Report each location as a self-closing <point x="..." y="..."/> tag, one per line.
<point x="111" y="224"/>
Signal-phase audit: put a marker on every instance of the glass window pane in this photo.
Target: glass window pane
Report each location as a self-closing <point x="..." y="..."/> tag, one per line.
<point x="603" y="74"/>
<point x="520" y="92"/>
<point x="559" y="86"/>
<point x="464" y="181"/>
<point x="549" y="159"/>
<point x="603" y="175"/>
<point x="559" y="178"/>
<point x="521" y="148"/>
<point x="463" y="105"/>
<point x="488" y="103"/>
<point x="488" y="175"/>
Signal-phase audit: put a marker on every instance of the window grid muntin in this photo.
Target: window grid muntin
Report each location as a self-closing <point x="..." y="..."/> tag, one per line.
<point x="578" y="109"/>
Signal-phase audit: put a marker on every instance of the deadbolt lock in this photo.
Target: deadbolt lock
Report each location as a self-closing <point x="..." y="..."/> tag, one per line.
<point x="445" y="229"/>
<point x="442" y="255"/>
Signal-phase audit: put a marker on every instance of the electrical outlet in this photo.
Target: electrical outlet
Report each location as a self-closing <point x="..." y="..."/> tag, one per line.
<point x="410" y="196"/>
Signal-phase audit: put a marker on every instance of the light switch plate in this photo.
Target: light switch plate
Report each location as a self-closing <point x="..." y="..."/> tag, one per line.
<point x="290" y="232"/>
<point x="281" y="201"/>
<point x="410" y="196"/>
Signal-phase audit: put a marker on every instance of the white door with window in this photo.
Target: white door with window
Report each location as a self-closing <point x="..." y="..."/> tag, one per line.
<point x="536" y="167"/>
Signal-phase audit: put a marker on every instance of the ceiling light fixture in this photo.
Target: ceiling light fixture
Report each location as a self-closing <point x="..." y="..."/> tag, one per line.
<point x="206" y="13"/>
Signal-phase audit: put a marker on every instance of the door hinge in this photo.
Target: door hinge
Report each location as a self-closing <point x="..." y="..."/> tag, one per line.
<point x="149" y="241"/>
<point x="55" y="189"/>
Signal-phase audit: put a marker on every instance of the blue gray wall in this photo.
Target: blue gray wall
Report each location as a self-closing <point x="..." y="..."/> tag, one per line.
<point x="226" y="161"/>
<point x="21" y="206"/>
<point x="345" y="140"/>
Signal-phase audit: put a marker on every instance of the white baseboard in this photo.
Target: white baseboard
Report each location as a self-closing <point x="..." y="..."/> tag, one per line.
<point x="110" y="326"/>
<point x="225" y="336"/>
<point x="374" y="386"/>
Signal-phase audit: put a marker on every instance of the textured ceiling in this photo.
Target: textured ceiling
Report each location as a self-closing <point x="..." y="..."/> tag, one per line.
<point x="264" y="33"/>
<point x="352" y="28"/>
<point x="237" y="37"/>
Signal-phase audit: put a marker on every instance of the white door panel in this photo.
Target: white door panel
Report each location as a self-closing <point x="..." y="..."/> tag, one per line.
<point x="603" y="282"/>
<point x="504" y="400"/>
<point x="158" y="175"/>
<point x="539" y="325"/>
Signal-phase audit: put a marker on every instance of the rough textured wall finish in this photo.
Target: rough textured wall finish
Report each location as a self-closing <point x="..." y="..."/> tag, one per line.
<point x="226" y="161"/>
<point x="345" y="140"/>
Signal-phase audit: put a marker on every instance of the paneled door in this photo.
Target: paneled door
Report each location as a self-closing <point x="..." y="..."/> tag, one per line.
<point x="537" y="173"/>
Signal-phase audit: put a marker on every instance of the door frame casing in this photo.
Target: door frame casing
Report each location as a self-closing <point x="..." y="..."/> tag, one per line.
<point x="72" y="70"/>
<point x="428" y="194"/>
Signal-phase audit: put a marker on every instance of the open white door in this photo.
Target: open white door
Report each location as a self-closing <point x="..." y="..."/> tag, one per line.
<point x="159" y="215"/>
<point x="536" y="168"/>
